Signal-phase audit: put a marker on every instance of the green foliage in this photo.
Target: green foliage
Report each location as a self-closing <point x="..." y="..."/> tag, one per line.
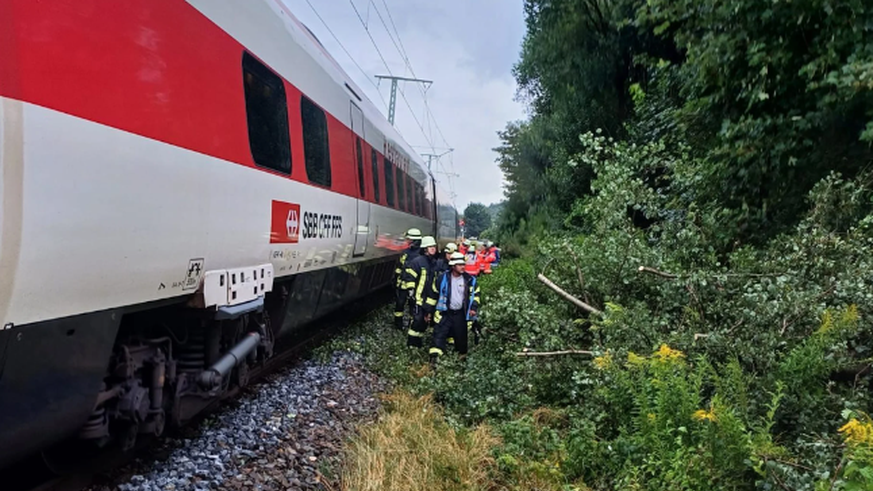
<point x="477" y="219"/>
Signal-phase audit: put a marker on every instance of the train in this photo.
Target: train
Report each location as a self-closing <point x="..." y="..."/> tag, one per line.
<point x="184" y="183"/>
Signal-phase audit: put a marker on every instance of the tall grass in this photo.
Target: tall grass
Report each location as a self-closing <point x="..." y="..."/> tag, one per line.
<point x="411" y="448"/>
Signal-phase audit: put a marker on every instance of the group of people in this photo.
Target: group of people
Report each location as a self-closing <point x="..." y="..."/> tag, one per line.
<point x="440" y="288"/>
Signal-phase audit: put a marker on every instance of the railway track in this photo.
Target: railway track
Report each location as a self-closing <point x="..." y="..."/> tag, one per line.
<point x="34" y="474"/>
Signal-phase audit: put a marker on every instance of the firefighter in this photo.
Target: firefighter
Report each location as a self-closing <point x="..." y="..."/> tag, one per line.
<point x="442" y="263"/>
<point x="418" y="279"/>
<point x="464" y="248"/>
<point x="401" y="296"/>
<point x="496" y="252"/>
<point x="456" y="308"/>
<point x="471" y="260"/>
<point x="488" y="256"/>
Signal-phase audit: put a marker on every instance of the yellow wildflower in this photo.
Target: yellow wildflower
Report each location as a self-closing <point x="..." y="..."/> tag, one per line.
<point x="668" y="354"/>
<point x="704" y="415"/>
<point x="603" y="362"/>
<point x="857" y="433"/>
<point x="634" y="359"/>
<point x="651" y="417"/>
<point x="827" y="323"/>
<point x="850" y="316"/>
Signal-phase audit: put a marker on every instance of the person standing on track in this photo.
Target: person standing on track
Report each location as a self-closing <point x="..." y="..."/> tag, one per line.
<point x="456" y="309"/>
<point x="418" y="278"/>
<point x="401" y="296"/>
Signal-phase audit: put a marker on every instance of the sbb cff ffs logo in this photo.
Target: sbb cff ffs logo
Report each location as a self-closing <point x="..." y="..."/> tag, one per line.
<point x="285" y="227"/>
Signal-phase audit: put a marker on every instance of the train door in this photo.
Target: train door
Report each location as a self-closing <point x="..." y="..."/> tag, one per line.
<point x="363" y="216"/>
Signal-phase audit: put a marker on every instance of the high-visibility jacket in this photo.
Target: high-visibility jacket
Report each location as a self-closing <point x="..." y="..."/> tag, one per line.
<point x="488" y="258"/>
<point x="463" y="249"/>
<point x="418" y="277"/>
<point x="496" y="252"/>
<point x="411" y="253"/>
<point x="471" y="264"/>
<point x="444" y="298"/>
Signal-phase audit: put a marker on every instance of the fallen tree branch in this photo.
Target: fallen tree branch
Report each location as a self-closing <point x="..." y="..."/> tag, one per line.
<point x="579" y="274"/>
<point x="570" y="298"/>
<point x="662" y="274"/>
<point x="555" y="353"/>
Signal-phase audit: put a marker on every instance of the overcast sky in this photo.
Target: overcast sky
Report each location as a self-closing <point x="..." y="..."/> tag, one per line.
<point x="467" y="47"/>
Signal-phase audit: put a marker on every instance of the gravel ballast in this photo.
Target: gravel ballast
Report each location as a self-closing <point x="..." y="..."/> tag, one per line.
<point x="286" y="433"/>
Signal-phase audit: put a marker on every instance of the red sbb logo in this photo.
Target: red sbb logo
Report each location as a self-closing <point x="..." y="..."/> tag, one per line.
<point x="285" y="223"/>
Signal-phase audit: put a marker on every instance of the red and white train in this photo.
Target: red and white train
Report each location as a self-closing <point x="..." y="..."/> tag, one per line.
<point x="183" y="182"/>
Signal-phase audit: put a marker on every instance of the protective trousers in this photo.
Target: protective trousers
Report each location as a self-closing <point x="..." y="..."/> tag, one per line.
<point x="415" y="334"/>
<point x="400" y="299"/>
<point x="452" y="324"/>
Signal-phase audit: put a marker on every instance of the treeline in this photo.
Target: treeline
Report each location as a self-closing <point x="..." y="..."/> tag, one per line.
<point x="698" y="172"/>
<point x="755" y="101"/>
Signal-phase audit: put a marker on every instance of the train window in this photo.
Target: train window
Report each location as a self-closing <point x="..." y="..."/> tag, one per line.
<point x="316" y="148"/>
<point x="375" y="163"/>
<point x="389" y="182"/>
<point x="419" y="196"/>
<point x="410" y="201"/>
<point x="401" y="194"/>
<point x="266" y="116"/>
<point x="360" y="156"/>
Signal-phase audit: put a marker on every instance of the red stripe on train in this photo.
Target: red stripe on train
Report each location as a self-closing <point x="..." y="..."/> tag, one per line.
<point x="156" y="68"/>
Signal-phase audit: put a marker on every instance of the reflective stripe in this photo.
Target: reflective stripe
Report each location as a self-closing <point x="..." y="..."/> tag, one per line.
<point x="431" y="301"/>
<point x="419" y="300"/>
<point x="409" y="285"/>
<point x="436" y="351"/>
<point x="411" y="272"/>
<point x="398" y="314"/>
<point x="437" y="316"/>
<point x="415" y="333"/>
<point x="450" y="340"/>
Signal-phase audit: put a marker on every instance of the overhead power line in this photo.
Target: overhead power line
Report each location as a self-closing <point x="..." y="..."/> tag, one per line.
<point x="352" y="58"/>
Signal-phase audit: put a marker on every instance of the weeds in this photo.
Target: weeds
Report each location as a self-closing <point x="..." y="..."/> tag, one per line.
<point x="412" y="448"/>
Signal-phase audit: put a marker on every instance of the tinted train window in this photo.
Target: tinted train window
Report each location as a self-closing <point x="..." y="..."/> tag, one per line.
<point x="419" y="196"/>
<point x="266" y="115"/>
<point x="360" y="155"/>
<point x="389" y="182"/>
<point x="375" y="162"/>
<point x="410" y="201"/>
<point x="401" y="194"/>
<point x="316" y="148"/>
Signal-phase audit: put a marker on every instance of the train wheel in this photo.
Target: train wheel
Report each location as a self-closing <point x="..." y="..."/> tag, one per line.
<point x="128" y="437"/>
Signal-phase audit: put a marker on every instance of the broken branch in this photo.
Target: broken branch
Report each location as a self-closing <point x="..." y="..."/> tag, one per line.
<point x="570" y="298"/>
<point x="662" y="274"/>
<point x="555" y="353"/>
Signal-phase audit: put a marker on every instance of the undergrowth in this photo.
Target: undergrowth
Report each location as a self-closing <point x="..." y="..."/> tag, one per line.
<point x="738" y="371"/>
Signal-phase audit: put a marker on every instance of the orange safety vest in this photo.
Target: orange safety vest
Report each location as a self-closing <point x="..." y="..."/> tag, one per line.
<point x="486" y="259"/>
<point x="471" y="265"/>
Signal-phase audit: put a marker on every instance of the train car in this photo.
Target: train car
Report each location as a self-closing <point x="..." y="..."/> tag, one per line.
<point x="183" y="182"/>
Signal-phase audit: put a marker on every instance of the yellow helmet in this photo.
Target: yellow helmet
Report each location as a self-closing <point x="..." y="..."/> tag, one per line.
<point x="451" y="247"/>
<point x="428" y="241"/>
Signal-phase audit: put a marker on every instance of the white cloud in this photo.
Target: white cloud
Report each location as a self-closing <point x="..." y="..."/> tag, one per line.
<point x="467" y="49"/>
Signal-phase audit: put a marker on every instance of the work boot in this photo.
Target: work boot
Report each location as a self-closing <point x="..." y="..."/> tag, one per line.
<point x="398" y="323"/>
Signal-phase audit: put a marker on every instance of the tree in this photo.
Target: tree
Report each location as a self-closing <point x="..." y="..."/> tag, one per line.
<point x="476" y="218"/>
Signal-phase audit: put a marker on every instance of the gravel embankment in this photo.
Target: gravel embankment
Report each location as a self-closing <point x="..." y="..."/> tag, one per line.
<point x="286" y="435"/>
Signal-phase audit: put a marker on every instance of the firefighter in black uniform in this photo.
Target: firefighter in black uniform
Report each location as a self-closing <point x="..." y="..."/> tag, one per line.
<point x="442" y="263"/>
<point x="418" y="279"/>
<point x="457" y="307"/>
<point x="401" y="296"/>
